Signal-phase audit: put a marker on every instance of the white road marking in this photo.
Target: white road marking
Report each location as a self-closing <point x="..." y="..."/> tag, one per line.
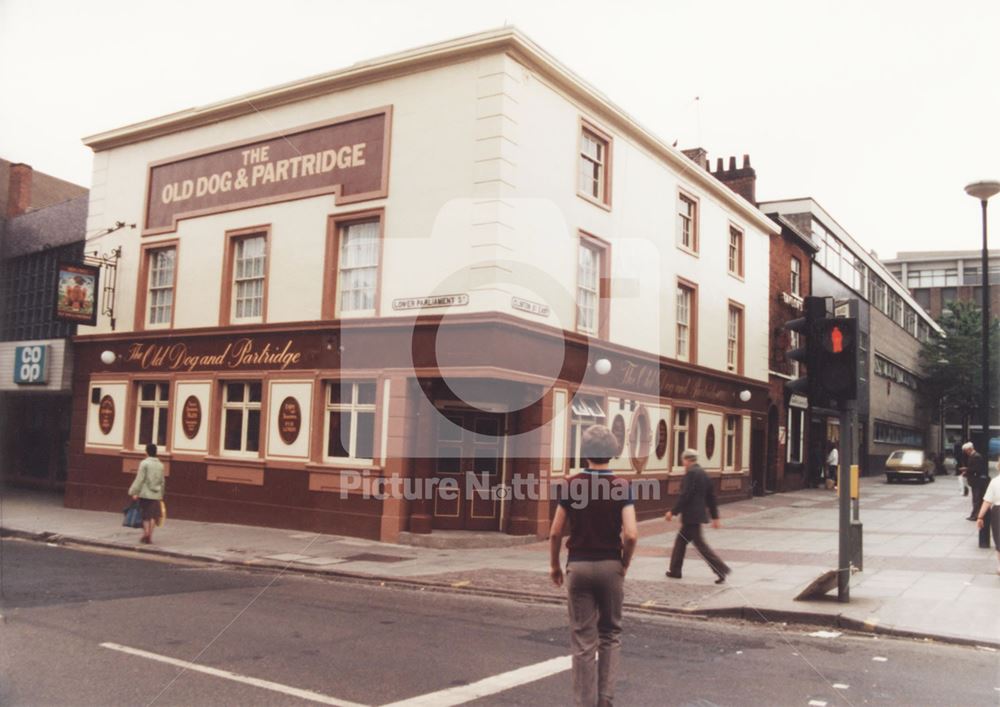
<point x="840" y="686"/>
<point x="817" y="703"/>
<point x="488" y="686"/>
<point x="826" y="634"/>
<point x="235" y="677"/>
<point x="880" y="659"/>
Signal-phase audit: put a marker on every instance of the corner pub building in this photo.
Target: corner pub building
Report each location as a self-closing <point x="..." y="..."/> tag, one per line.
<point x="405" y="270"/>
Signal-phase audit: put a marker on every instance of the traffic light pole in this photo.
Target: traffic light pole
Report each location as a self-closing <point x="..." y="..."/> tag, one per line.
<point x="848" y="414"/>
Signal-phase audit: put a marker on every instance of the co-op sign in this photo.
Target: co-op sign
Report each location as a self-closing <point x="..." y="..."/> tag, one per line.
<point x="31" y="364"/>
<point x="347" y="157"/>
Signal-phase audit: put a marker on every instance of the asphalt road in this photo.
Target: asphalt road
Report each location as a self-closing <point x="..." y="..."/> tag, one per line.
<point x="94" y="628"/>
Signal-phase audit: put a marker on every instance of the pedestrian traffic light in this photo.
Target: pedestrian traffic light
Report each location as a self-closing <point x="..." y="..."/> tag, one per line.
<point x="836" y="365"/>
<point x="815" y="310"/>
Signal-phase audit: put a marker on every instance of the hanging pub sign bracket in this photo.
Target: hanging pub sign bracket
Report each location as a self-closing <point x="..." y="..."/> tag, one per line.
<point x="77" y="283"/>
<point x="109" y="262"/>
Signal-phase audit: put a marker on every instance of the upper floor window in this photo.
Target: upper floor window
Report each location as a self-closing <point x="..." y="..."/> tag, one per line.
<point x="151" y="416"/>
<point x="795" y="276"/>
<point x="734" y="339"/>
<point x="592" y="286"/>
<point x="358" y="267"/>
<point x="241" y="404"/>
<point x="793" y="343"/>
<point x="687" y="223"/>
<point x="249" y="278"/>
<point x="735" y="251"/>
<point x="595" y="163"/>
<point x="686" y="319"/>
<point x="161" y="266"/>
<point x="350" y="420"/>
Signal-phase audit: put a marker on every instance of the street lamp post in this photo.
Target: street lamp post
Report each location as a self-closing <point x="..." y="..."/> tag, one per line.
<point x="983" y="191"/>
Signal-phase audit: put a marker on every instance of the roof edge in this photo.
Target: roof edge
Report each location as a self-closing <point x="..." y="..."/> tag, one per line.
<point x="505" y="39"/>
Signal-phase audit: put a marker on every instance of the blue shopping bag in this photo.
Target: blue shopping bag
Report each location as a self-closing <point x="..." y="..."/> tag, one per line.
<point x="133" y="516"/>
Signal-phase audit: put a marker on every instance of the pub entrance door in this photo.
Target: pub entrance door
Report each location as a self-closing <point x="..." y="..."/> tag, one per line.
<point x="469" y="469"/>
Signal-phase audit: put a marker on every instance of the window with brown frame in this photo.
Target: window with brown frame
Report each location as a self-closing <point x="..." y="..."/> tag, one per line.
<point x="683" y="432"/>
<point x="687" y="322"/>
<point x="241" y="421"/>
<point x="160" y="278"/>
<point x="731" y="446"/>
<point x="152" y="410"/>
<point x="735" y="251"/>
<point x="350" y="420"/>
<point x="734" y="339"/>
<point x="353" y="265"/>
<point x="594" y="180"/>
<point x="687" y="222"/>
<point x="592" y="286"/>
<point x="795" y="276"/>
<point x="244" y="295"/>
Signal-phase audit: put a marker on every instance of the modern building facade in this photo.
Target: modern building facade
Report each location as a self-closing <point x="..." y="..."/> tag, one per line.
<point x="448" y="260"/>
<point x="934" y="279"/>
<point x="43" y="225"/>
<point x="892" y="327"/>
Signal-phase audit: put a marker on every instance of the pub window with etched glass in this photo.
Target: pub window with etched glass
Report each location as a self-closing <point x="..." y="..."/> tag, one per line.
<point x="586" y="411"/>
<point x="682" y="433"/>
<point x="593" y="182"/>
<point x="160" y="292"/>
<point x="730" y="447"/>
<point x="249" y="272"/>
<point x="357" y="268"/>
<point x="350" y="420"/>
<point x="241" y="404"/>
<point x="153" y="408"/>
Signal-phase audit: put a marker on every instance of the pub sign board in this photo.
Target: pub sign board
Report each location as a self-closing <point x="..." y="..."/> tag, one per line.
<point x="348" y="157"/>
<point x="76" y="293"/>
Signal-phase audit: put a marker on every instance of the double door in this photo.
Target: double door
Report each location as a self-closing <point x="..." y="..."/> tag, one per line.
<point x="469" y="470"/>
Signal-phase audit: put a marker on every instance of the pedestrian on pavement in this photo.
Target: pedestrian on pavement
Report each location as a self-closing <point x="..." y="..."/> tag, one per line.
<point x="989" y="515"/>
<point x="832" y="462"/>
<point x="976" y="474"/>
<point x="603" y="534"/>
<point x="147" y="489"/>
<point x="697" y="495"/>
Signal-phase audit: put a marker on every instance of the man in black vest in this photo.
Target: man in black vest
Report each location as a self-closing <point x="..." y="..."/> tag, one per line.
<point x="696" y="495"/>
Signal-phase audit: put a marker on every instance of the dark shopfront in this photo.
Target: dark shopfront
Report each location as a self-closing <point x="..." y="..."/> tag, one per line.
<point x="311" y="427"/>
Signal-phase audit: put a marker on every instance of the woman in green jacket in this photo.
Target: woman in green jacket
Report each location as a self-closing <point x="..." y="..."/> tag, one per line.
<point x="147" y="489"/>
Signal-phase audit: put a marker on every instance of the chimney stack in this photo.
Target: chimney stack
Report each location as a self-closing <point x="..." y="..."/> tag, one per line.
<point x="698" y="155"/>
<point x="742" y="180"/>
<point x="18" y="189"/>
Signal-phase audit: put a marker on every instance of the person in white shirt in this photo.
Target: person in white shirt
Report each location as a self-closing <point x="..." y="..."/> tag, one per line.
<point x="990" y="512"/>
<point x="832" y="461"/>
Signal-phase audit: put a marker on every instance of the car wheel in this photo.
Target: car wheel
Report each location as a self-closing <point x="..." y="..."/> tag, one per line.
<point x="933" y="478"/>
<point x="889" y="479"/>
<point x="923" y="479"/>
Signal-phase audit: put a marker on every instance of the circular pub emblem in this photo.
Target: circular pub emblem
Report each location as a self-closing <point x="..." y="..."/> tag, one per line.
<point x="191" y="417"/>
<point x="106" y="414"/>
<point x="289" y="420"/>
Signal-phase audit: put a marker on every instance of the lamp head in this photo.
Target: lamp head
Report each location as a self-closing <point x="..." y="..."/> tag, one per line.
<point x="108" y="357"/>
<point x="983" y="190"/>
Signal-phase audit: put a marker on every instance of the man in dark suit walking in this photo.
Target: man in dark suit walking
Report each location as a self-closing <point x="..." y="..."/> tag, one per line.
<point x="977" y="474"/>
<point x="696" y="495"/>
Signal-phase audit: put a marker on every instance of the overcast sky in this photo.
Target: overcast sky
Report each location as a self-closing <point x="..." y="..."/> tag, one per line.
<point x="882" y="111"/>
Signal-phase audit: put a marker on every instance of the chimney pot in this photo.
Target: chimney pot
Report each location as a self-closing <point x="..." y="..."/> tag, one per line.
<point x="746" y="161"/>
<point x="718" y="164"/>
<point x="732" y="163"/>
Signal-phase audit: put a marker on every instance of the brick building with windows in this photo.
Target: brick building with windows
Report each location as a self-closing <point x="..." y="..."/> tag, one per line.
<point x="408" y="270"/>
<point x="42" y="225"/>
